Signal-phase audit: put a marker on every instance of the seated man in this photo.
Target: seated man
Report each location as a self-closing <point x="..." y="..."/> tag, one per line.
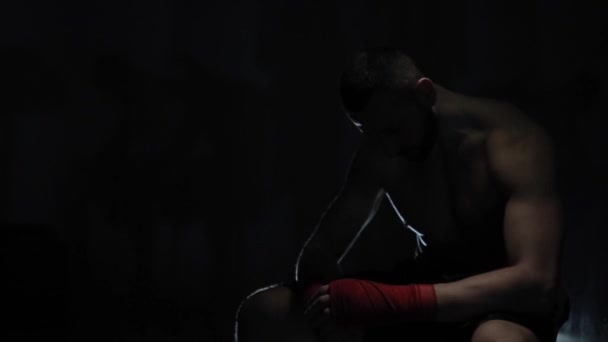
<point x="473" y="179"/>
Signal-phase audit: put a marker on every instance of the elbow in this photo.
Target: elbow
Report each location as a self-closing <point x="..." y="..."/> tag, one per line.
<point x="544" y="291"/>
<point x="541" y="281"/>
<point x="549" y="296"/>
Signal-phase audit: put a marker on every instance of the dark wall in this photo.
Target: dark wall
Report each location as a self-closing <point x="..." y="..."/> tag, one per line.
<point x="164" y="159"/>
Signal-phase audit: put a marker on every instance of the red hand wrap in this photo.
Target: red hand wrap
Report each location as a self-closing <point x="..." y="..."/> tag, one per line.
<point x="357" y="301"/>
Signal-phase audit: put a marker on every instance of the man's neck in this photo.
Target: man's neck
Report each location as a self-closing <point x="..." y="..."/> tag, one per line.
<point x="448" y="102"/>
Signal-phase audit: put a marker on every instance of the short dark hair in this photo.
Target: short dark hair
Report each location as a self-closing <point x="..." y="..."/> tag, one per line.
<point x="376" y="69"/>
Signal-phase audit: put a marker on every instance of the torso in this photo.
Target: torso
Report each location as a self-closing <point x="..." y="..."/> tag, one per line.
<point x="453" y="198"/>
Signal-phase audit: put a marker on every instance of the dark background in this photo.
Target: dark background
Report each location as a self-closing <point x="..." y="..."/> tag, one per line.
<point x="164" y="159"/>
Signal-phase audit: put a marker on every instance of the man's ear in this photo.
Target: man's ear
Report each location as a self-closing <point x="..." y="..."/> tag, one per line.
<point x="426" y="92"/>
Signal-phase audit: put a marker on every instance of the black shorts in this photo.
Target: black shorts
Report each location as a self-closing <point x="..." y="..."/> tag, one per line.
<point x="545" y="328"/>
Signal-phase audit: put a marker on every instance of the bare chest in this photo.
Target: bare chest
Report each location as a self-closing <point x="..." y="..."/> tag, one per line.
<point x="453" y="197"/>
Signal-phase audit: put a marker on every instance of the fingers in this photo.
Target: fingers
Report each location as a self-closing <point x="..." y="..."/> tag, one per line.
<point x="322" y="290"/>
<point x="317" y="306"/>
<point x="317" y="312"/>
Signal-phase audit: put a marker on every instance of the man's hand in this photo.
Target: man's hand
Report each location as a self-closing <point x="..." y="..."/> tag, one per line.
<point x="318" y="313"/>
<point x="317" y="310"/>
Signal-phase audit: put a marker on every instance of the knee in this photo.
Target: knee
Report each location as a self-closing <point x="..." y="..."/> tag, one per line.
<point x="266" y="305"/>
<point x="502" y="331"/>
<point x="274" y="301"/>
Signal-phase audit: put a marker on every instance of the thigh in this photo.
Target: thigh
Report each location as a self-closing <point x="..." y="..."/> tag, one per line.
<point x="499" y="330"/>
<point x="275" y="313"/>
<point x="271" y="301"/>
<point x="522" y="327"/>
<point x="271" y="314"/>
<point x="418" y="332"/>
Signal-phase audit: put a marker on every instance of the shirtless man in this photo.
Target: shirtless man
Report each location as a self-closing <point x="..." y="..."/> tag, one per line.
<point x="474" y="179"/>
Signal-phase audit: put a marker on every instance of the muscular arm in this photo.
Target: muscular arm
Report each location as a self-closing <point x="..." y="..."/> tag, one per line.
<point x="348" y="214"/>
<point x="520" y="155"/>
<point x="532" y="232"/>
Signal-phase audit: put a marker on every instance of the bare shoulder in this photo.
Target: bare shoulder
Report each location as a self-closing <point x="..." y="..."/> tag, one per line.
<point x="511" y="134"/>
<point x="520" y="152"/>
<point x="490" y="113"/>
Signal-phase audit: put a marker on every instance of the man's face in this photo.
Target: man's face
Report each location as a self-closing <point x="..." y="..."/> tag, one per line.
<point x="399" y="124"/>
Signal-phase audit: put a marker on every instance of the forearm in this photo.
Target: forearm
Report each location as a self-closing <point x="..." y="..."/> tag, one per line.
<point x="320" y="256"/>
<point x="317" y="264"/>
<point x="513" y="289"/>
<point x="339" y="227"/>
